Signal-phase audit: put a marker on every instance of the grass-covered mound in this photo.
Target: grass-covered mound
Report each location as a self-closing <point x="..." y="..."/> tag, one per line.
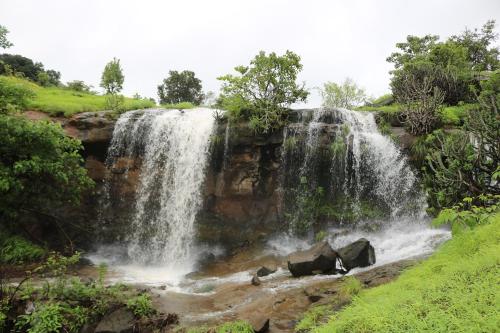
<point x="456" y="290"/>
<point x="61" y="101"/>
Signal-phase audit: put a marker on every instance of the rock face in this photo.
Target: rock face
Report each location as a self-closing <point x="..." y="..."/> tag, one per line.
<point x="320" y="258"/>
<point x="358" y="254"/>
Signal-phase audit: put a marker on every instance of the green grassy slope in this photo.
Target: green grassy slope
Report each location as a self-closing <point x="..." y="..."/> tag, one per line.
<point x="456" y="290"/>
<point x="59" y="101"/>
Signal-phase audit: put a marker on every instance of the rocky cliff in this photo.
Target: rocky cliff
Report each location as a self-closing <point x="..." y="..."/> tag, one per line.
<point x="241" y="192"/>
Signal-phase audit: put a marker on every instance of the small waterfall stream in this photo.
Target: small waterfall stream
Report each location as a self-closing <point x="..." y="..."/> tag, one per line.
<point x="173" y="147"/>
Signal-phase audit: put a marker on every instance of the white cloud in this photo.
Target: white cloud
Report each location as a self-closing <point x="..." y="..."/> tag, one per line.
<point x="335" y="39"/>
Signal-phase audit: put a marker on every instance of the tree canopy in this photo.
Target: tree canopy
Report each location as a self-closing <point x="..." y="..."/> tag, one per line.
<point x="112" y="77"/>
<point x="180" y="87"/>
<point x="263" y="91"/>
<point x="346" y="95"/>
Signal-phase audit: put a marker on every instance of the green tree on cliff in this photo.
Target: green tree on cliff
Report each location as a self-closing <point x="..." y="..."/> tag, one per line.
<point x="263" y="91"/>
<point x="180" y="87"/>
<point x="346" y="95"/>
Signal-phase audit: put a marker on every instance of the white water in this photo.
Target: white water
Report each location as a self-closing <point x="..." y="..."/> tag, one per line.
<point x="175" y="147"/>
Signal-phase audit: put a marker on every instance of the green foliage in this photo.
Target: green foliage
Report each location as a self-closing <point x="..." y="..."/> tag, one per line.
<point x="238" y="326"/>
<point x="40" y="168"/>
<point x="346" y="95"/>
<point x="319" y="315"/>
<point x="17" y="250"/>
<point x="179" y="106"/>
<point x="47" y="318"/>
<point x="19" y="66"/>
<point x="451" y="66"/>
<point x="463" y="163"/>
<point x="79" y="86"/>
<point x="314" y="317"/>
<point x="455" y="115"/>
<point x="263" y="91"/>
<point x="13" y="95"/>
<point x="383" y="100"/>
<point x="58" y="101"/>
<point x="350" y="288"/>
<point x="112" y="77"/>
<point x="320" y="236"/>
<point x="181" y="87"/>
<point x="115" y="102"/>
<point x="4" y="42"/>
<point x="456" y="290"/>
<point x="467" y="215"/>
<point x="141" y="306"/>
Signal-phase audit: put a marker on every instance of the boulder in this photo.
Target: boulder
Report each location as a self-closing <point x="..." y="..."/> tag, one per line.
<point x="266" y="270"/>
<point x="357" y="254"/>
<point x="118" y="321"/>
<point x="255" y="280"/>
<point x="320" y="258"/>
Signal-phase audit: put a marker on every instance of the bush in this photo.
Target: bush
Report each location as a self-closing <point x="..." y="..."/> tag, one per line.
<point x="17" y="250"/>
<point x="141" y="306"/>
<point x="40" y="168"/>
<point x="14" y="96"/>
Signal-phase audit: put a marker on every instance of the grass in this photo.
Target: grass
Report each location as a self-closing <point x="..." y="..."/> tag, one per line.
<point x="179" y="106"/>
<point x="456" y="290"/>
<point x="58" y="101"/>
<point x="393" y="108"/>
<point x="454" y="115"/>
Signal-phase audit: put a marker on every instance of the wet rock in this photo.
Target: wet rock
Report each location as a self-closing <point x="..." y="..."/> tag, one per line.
<point x="118" y="321"/>
<point x="260" y="324"/>
<point x="266" y="270"/>
<point x="320" y="258"/>
<point x="357" y="254"/>
<point x="256" y="280"/>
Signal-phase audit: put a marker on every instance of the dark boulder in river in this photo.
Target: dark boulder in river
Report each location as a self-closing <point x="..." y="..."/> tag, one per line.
<point x="320" y="258"/>
<point x="357" y="254"/>
<point x="266" y="270"/>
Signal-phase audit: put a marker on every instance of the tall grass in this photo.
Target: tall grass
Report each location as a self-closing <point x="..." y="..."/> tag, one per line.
<point x="58" y="101"/>
<point x="456" y="290"/>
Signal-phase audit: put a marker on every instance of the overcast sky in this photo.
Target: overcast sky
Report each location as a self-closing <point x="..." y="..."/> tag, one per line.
<point x="336" y="39"/>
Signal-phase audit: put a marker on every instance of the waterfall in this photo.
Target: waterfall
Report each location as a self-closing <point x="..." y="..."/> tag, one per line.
<point x="338" y="161"/>
<point x="172" y="148"/>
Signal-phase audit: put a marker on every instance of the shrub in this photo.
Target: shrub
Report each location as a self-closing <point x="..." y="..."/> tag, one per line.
<point x="14" y="96"/>
<point x="141" y="306"/>
<point x="17" y="250"/>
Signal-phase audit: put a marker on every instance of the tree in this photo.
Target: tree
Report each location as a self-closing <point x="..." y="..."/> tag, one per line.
<point x="180" y="87"/>
<point x="112" y="77"/>
<point x="478" y="45"/>
<point x="40" y="168"/>
<point x="347" y="95"/>
<point x="4" y="43"/>
<point x="21" y="65"/>
<point x="263" y="91"/>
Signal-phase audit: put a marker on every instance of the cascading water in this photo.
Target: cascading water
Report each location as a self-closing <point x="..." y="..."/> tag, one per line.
<point x="337" y="161"/>
<point x="173" y="147"/>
